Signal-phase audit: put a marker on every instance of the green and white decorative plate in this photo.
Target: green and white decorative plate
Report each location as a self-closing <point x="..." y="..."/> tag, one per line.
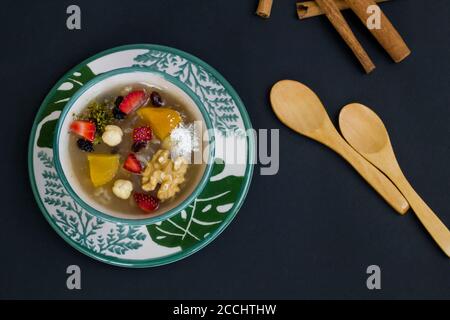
<point x="191" y="229"/>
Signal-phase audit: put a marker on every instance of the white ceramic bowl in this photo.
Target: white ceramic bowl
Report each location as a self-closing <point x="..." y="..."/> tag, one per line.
<point x="105" y="83"/>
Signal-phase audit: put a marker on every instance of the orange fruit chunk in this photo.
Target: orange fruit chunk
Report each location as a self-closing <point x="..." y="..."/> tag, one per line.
<point x="103" y="168"/>
<point x="161" y="120"/>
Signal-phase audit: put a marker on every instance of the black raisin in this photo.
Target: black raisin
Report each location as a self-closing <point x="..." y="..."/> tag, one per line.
<point x="119" y="115"/>
<point x="118" y="101"/>
<point x="156" y="99"/>
<point x="138" y="146"/>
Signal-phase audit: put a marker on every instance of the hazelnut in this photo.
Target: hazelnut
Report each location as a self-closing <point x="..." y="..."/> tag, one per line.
<point x="112" y="135"/>
<point x="122" y="188"/>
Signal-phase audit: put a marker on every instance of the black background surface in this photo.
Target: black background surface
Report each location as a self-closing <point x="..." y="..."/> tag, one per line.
<point x="308" y="232"/>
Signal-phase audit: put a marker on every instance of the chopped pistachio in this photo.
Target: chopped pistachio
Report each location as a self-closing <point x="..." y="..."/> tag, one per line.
<point x="100" y="114"/>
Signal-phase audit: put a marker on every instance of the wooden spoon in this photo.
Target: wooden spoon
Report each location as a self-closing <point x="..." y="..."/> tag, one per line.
<point x="365" y="131"/>
<point x="301" y="110"/>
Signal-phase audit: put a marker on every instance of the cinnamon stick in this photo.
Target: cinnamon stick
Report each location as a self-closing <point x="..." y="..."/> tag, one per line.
<point x="338" y="21"/>
<point x="308" y="9"/>
<point x="264" y="8"/>
<point x="386" y="35"/>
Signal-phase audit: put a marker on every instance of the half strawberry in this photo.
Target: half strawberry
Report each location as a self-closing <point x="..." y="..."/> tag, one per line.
<point x="133" y="100"/>
<point x="84" y="128"/>
<point x="132" y="164"/>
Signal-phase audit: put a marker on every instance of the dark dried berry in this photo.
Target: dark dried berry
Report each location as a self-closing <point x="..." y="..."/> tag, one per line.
<point x="156" y="99"/>
<point x="85" y="145"/>
<point x="119" y="115"/>
<point x="118" y="101"/>
<point x="138" y="146"/>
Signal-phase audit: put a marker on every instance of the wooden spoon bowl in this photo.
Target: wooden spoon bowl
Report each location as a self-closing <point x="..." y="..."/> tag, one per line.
<point x="299" y="108"/>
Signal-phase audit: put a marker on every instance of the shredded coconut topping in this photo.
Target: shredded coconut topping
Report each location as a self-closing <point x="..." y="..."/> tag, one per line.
<point x="184" y="141"/>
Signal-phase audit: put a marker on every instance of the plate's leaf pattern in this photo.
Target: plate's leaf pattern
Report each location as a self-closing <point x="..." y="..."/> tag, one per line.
<point x="45" y="139"/>
<point x="58" y="101"/>
<point x="201" y="217"/>
<point x="81" y="226"/>
<point x="220" y="105"/>
<point x="67" y="89"/>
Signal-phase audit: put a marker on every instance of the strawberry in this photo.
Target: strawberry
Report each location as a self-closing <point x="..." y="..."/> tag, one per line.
<point x="146" y="202"/>
<point x="142" y="134"/>
<point x="132" y="101"/>
<point x="132" y="164"/>
<point x="83" y="128"/>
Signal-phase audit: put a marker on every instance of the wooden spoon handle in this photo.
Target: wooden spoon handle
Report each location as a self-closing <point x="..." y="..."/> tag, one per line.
<point x="435" y="227"/>
<point x="371" y="174"/>
<point x="337" y="19"/>
<point x="386" y="35"/>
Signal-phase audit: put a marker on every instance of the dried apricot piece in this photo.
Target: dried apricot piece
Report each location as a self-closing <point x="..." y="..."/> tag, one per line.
<point x="161" y="120"/>
<point x="103" y="168"/>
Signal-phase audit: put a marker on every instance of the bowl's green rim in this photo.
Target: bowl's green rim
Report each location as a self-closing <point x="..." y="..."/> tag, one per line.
<point x="153" y="262"/>
<point x="145" y="221"/>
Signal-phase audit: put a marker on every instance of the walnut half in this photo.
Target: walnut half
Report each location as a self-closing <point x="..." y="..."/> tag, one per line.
<point x="166" y="172"/>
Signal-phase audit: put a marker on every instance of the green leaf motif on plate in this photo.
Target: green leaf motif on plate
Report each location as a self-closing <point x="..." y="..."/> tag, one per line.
<point x="57" y="102"/>
<point x="82" y="227"/>
<point x="220" y="105"/>
<point x="45" y="139"/>
<point x="202" y="217"/>
<point x="46" y="160"/>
